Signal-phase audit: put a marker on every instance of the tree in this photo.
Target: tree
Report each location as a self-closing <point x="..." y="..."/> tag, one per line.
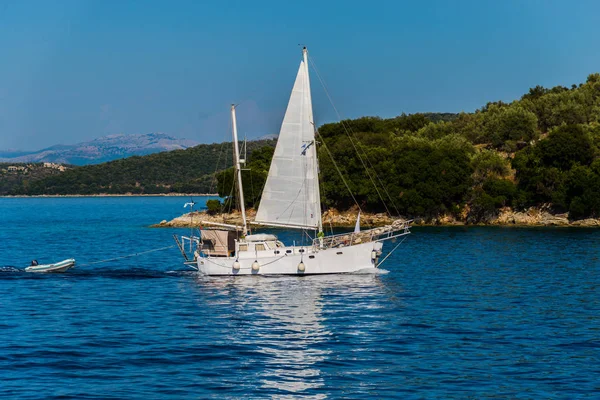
<point x="488" y="163"/>
<point x="253" y="179"/>
<point x="565" y="146"/>
<point x="213" y="206"/>
<point x="509" y="123"/>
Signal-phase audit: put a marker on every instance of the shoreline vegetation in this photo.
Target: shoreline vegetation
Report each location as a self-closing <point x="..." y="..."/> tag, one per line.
<point x="112" y="195"/>
<point x="533" y="161"/>
<point x="347" y="219"/>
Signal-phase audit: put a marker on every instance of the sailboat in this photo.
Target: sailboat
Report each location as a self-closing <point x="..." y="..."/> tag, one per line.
<point x="291" y="200"/>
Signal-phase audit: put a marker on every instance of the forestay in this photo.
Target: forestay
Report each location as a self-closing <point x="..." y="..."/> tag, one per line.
<point x="291" y="194"/>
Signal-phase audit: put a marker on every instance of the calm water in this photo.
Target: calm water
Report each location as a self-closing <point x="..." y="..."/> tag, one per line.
<point x="462" y="313"/>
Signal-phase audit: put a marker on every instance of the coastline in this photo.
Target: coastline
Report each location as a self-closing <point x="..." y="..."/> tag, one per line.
<point x="111" y="195"/>
<point x="533" y="217"/>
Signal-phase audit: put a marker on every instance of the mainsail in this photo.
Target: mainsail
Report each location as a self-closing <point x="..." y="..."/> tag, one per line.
<point x="291" y="197"/>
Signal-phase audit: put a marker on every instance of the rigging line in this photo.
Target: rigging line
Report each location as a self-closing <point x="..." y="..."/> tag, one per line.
<point x="348" y="127"/>
<point x="307" y="235"/>
<point x="338" y="169"/>
<point x="230" y="203"/>
<point x="292" y="203"/>
<point x="252" y="186"/>
<point x="391" y="252"/>
<point x="215" y="180"/>
<point x="355" y="148"/>
<point x="373" y="168"/>
<point x="128" y="255"/>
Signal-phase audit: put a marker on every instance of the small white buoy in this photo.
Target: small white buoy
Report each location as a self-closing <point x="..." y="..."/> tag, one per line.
<point x="255" y="265"/>
<point x="236" y="265"/>
<point x="373" y="255"/>
<point x="301" y="267"/>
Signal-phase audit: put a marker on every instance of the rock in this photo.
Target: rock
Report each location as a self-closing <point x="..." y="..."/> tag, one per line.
<point x="334" y="218"/>
<point x="589" y="222"/>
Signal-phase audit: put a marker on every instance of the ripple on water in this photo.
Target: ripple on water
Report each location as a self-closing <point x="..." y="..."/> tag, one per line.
<point x="456" y="313"/>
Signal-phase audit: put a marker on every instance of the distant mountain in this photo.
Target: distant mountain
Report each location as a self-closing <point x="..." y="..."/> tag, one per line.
<point x="5" y="154"/>
<point x="270" y="136"/>
<point x="180" y="171"/>
<point x="100" y="150"/>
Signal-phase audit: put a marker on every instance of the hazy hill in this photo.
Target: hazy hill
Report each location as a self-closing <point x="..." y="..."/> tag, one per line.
<point x="180" y="171"/>
<point x="17" y="175"/>
<point x="541" y="151"/>
<point x="100" y="150"/>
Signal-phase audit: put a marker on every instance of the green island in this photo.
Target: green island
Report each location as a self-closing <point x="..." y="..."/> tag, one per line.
<point x="540" y="152"/>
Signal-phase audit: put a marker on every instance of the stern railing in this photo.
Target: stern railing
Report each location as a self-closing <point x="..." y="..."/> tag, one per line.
<point x="398" y="228"/>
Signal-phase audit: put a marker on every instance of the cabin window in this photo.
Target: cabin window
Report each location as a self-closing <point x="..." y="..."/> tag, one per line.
<point x="260" y="246"/>
<point x="311" y="256"/>
<point x="301" y="251"/>
<point x="271" y="245"/>
<point x="288" y="251"/>
<point x="243" y="247"/>
<point x="339" y="252"/>
<point x="277" y="252"/>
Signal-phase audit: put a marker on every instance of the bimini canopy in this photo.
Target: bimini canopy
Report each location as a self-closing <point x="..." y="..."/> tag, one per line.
<point x="260" y="237"/>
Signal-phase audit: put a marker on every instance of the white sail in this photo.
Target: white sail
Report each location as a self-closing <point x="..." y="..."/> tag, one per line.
<point x="291" y="194"/>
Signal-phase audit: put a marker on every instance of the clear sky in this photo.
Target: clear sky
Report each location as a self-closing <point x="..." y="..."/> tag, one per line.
<point x="74" y="70"/>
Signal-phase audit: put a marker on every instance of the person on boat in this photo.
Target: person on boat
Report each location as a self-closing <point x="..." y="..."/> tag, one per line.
<point x="34" y="263"/>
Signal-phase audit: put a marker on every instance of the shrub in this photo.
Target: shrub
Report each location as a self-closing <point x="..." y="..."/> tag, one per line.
<point x="213" y="207"/>
<point x="577" y="209"/>
<point x="488" y="163"/>
<point x="513" y="123"/>
<point x="502" y="191"/>
<point x="482" y="206"/>
<point x="565" y="146"/>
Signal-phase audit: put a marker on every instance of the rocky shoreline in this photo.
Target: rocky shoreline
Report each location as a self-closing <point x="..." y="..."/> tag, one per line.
<point x="331" y="218"/>
<point x="347" y="219"/>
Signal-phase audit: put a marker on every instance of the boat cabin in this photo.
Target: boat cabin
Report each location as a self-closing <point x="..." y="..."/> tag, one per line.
<point x="258" y="244"/>
<point x="225" y="243"/>
<point x="218" y="242"/>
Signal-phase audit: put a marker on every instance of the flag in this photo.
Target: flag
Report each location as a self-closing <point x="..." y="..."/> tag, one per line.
<point x="357" y="226"/>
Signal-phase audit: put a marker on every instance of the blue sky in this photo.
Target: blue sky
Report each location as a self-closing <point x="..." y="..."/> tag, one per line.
<point x="74" y="70"/>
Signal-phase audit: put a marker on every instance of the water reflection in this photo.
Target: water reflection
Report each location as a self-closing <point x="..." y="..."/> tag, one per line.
<point x="284" y="320"/>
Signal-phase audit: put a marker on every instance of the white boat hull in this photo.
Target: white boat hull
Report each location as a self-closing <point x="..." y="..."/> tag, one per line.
<point x="337" y="260"/>
<point x="62" y="266"/>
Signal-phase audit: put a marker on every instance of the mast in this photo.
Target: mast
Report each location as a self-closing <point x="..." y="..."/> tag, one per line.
<point x="290" y="197"/>
<point x="238" y="170"/>
<point x="312" y="122"/>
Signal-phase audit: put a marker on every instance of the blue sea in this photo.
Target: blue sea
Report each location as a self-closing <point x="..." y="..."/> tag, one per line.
<point x="456" y="313"/>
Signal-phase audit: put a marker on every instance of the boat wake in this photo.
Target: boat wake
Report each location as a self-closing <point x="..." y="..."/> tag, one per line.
<point x="8" y="268"/>
<point x="137" y="273"/>
<point x="372" y="271"/>
<point x="110" y="273"/>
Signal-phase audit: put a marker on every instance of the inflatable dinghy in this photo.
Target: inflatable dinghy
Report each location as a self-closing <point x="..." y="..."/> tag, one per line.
<point x="61" y="266"/>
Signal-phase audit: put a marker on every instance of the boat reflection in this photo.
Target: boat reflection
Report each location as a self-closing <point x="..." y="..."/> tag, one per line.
<point x="285" y="320"/>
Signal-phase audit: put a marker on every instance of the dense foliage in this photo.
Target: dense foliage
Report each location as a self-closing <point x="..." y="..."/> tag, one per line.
<point x="21" y="175"/>
<point x="563" y="169"/>
<point x="543" y="149"/>
<point x="254" y="176"/>
<point x="179" y="171"/>
<point x="539" y="150"/>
